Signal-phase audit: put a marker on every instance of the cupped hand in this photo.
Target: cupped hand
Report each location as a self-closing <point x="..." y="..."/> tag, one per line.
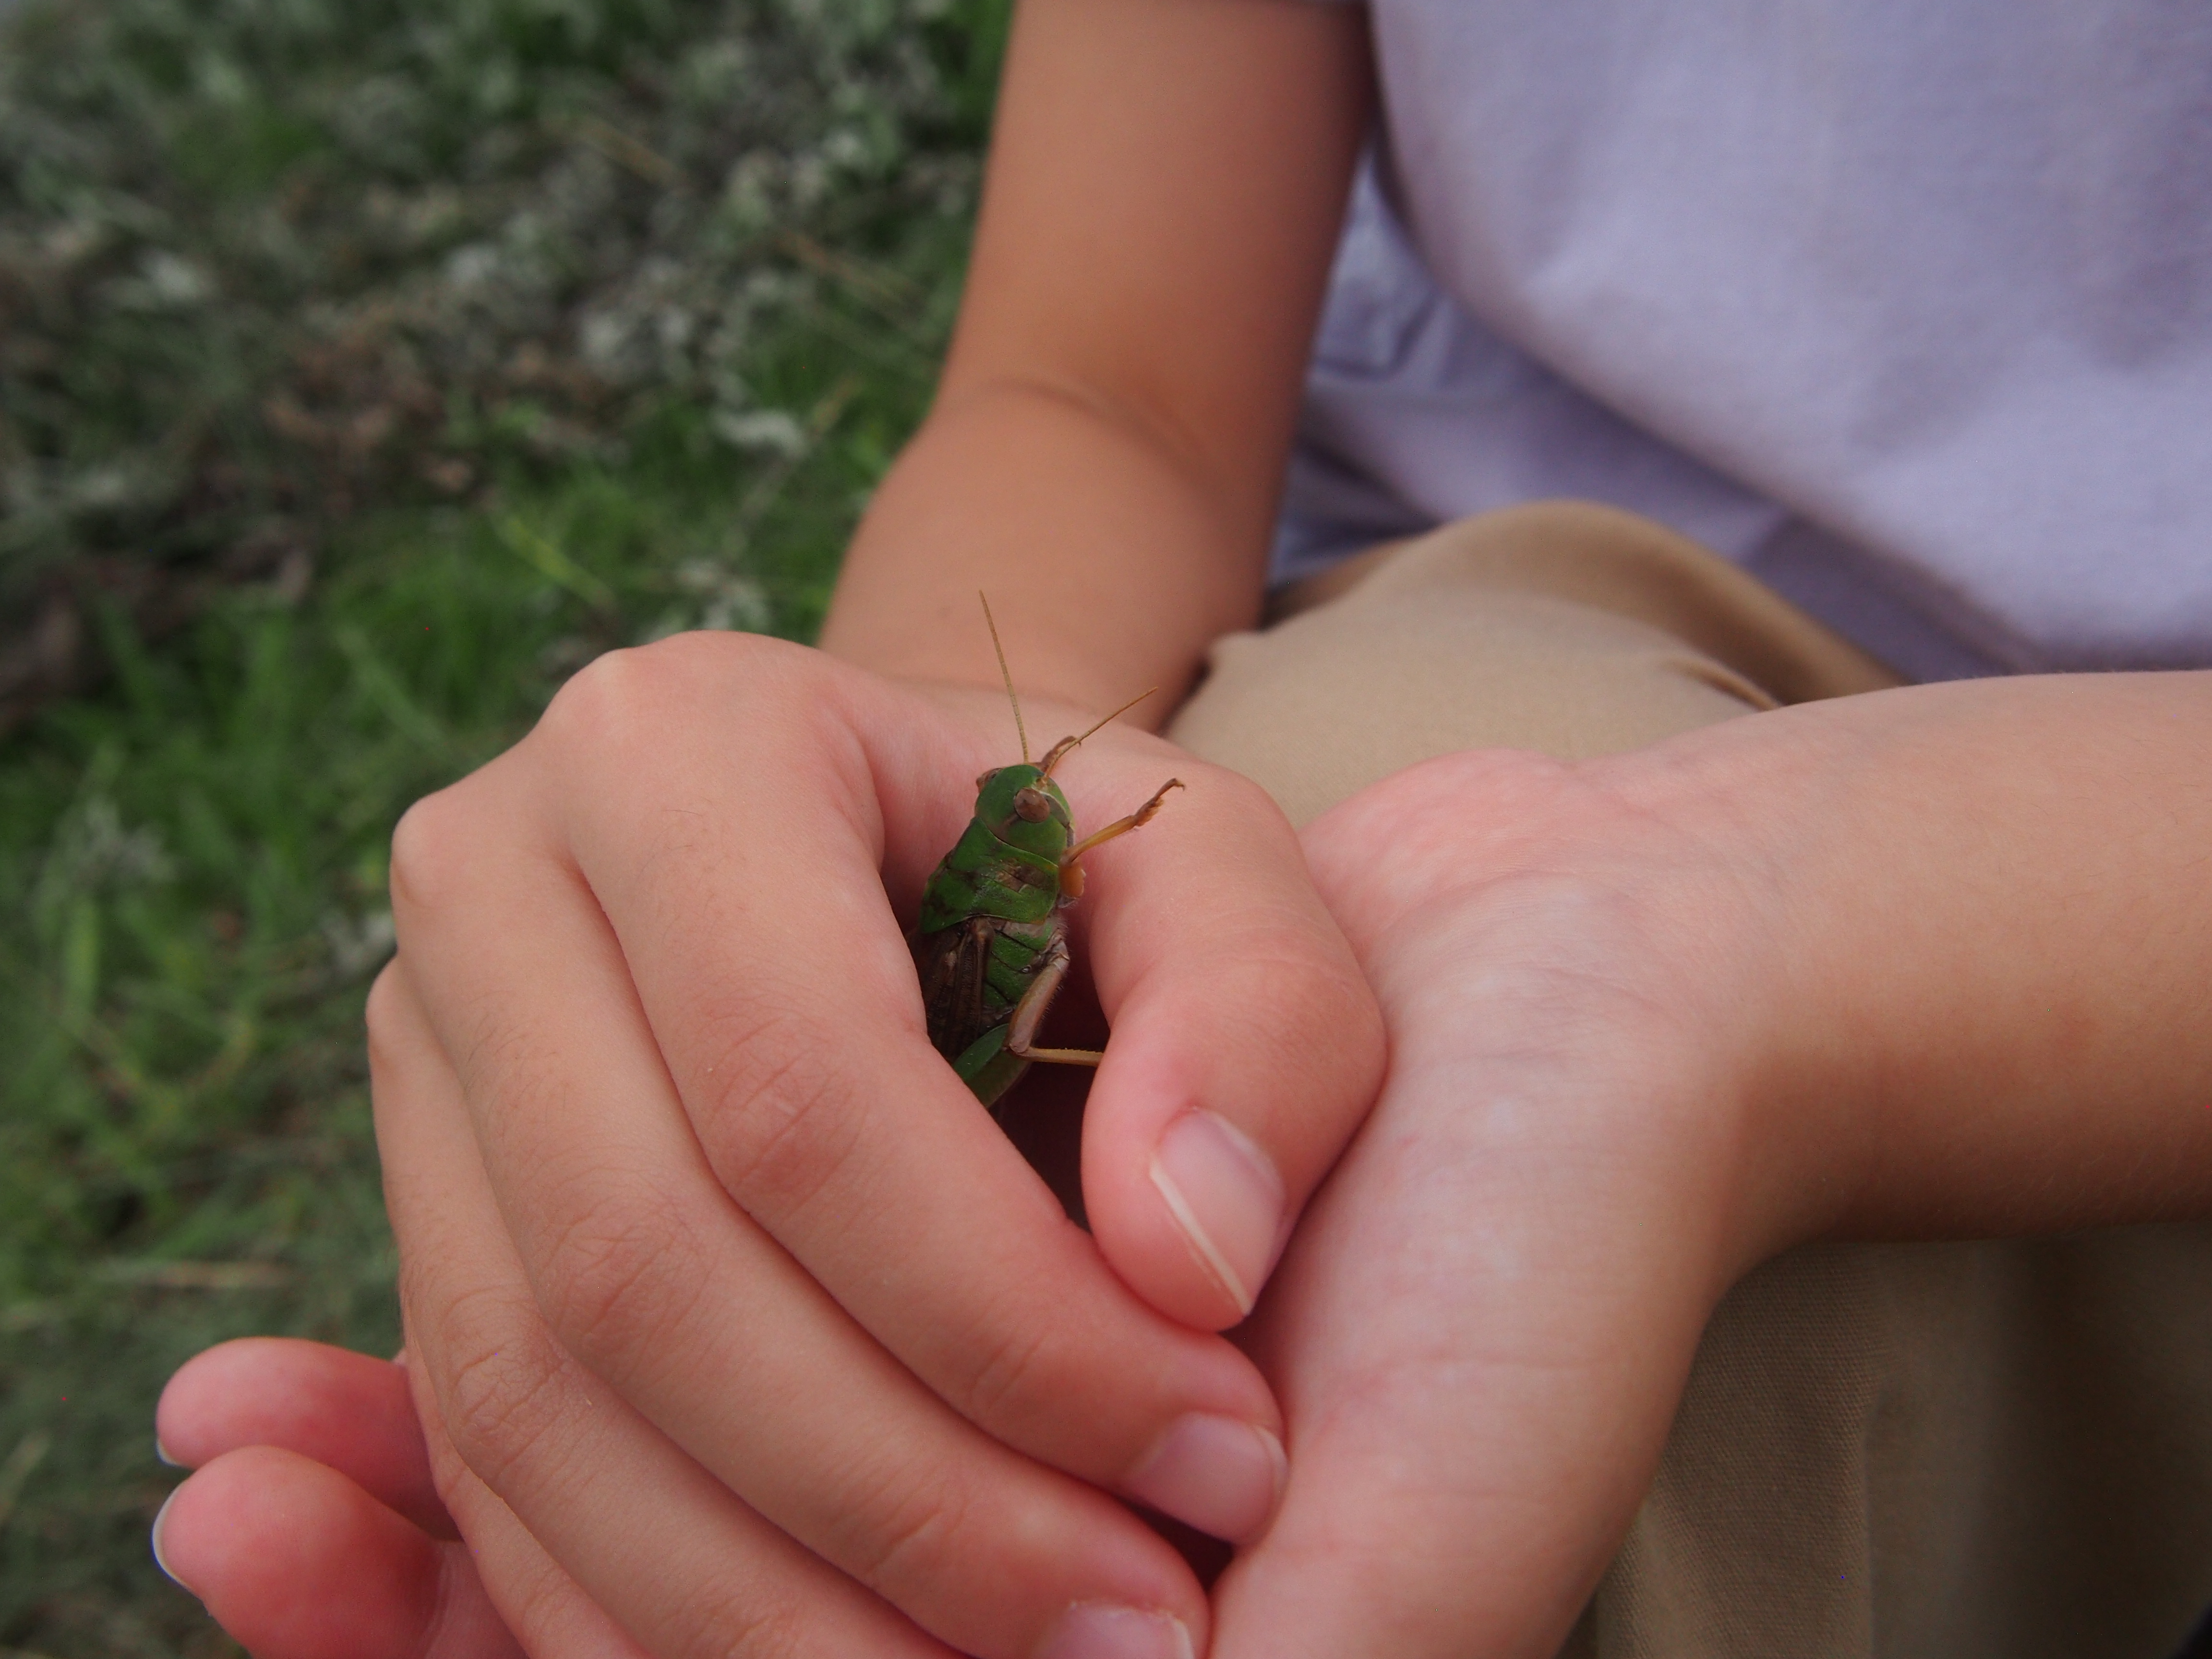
<point x="727" y="1292"/>
<point x="1482" y="1330"/>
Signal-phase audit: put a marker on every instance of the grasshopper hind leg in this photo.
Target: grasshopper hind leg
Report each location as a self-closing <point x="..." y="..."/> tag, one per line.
<point x="1029" y="1014"/>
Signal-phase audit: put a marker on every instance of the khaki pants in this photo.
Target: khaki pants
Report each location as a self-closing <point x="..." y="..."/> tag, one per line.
<point x="1950" y="1451"/>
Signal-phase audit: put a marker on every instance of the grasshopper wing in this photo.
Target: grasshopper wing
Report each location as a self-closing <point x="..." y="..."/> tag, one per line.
<point x="953" y="963"/>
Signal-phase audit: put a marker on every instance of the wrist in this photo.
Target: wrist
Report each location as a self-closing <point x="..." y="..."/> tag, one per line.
<point x="1745" y="898"/>
<point x="1973" y="921"/>
<point x="1686" y="900"/>
<point x="1110" y="564"/>
<point x="1536" y="929"/>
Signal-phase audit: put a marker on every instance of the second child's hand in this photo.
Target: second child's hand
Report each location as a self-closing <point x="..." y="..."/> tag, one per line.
<point x="1480" y="1330"/>
<point x="1924" y="963"/>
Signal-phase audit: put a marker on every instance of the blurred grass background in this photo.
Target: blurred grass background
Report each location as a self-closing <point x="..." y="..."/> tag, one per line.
<point x="366" y="367"/>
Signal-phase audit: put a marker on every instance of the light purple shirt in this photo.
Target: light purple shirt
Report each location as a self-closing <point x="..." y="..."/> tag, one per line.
<point x="1904" y="304"/>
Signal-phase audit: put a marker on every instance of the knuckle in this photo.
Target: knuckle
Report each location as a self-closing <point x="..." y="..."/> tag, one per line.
<point x="781" y="1123"/>
<point x="500" y="1061"/>
<point x="1020" y="1372"/>
<point x="455" y="1481"/>
<point x="420" y="1293"/>
<point x="919" y="1534"/>
<point x="385" y="1019"/>
<point x="457" y="1485"/>
<point x="430" y="846"/>
<point x="746" y="1626"/>
<point x="616" y="1277"/>
<point x="1285" y="972"/>
<point x="1320" y="1028"/>
<point x="499" y="1384"/>
<point x="1331" y="996"/>
<point x="771" y="1635"/>
<point x="629" y="694"/>
<point x="1300" y="970"/>
<point x="604" y="696"/>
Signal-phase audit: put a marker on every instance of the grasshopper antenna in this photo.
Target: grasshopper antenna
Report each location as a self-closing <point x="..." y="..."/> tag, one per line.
<point x="1008" y="677"/>
<point x="1060" y="749"/>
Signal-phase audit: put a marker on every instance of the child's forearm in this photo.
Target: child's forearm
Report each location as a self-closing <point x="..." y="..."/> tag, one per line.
<point x="1109" y="567"/>
<point x="1166" y="184"/>
<point x="1988" y="920"/>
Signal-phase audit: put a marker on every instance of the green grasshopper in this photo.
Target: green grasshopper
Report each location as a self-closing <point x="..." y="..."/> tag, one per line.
<point x="990" y="944"/>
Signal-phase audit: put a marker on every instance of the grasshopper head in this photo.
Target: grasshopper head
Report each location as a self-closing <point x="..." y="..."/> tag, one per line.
<point x="1025" y="808"/>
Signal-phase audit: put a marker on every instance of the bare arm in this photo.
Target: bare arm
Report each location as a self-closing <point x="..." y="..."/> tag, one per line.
<point x="1990" y="925"/>
<point x="1167" y="182"/>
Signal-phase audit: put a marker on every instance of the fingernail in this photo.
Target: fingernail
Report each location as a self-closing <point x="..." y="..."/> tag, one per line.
<point x="1226" y="1197"/>
<point x="1091" y="1629"/>
<point x="1222" y="1476"/>
<point x="160" y="1515"/>
<point x="162" y="1453"/>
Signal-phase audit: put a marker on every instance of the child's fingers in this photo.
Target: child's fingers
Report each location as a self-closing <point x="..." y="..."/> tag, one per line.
<point x="348" y="1411"/>
<point x="549" y="1612"/>
<point x="656" y="930"/>
<point x="1247" y="1048"/>
<point x="297" y="1562"/>
<point x="788" y="1402"/>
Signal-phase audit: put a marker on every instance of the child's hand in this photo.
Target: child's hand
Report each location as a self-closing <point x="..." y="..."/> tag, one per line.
<point x="713" y="1270"/>
<point x="1925" y="963"/>
<point x="1481" y="1331"/>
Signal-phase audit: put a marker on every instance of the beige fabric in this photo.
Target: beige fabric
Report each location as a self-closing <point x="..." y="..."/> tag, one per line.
<point x="1561" y="626"/>
<point x="1939" y="1450"/>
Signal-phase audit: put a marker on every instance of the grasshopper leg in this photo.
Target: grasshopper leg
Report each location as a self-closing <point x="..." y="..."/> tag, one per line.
<point x="1029" y="1014"/>
<point x="1071" y="866"/>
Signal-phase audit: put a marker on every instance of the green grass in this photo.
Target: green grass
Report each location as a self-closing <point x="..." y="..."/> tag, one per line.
<point x="192" y="853"/>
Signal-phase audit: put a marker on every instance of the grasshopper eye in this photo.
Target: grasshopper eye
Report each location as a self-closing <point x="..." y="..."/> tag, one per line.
<point x="983" y="779"/>
<point x="1032" y="805"/>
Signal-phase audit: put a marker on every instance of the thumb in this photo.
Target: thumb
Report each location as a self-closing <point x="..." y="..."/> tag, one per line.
<point x="1247" y="1047"/>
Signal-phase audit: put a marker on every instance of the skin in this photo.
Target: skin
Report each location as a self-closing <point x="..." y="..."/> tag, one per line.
<point x="1924" y="963"/>
<point x="1928" y="964"/>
